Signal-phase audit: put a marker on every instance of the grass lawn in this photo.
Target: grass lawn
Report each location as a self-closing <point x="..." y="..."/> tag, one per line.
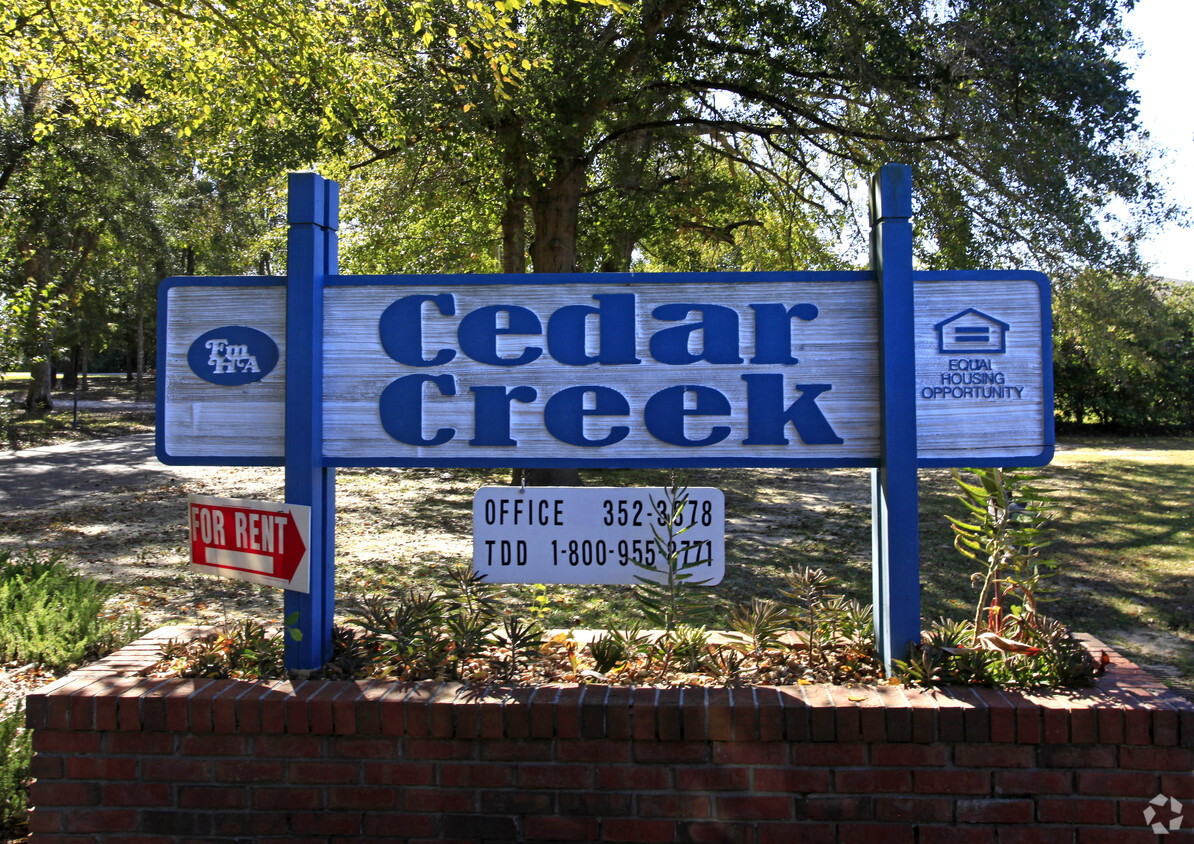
<point x="28" y="429"/>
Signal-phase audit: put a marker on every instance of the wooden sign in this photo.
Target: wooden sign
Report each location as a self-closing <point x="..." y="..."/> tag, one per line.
<point x="761" y="369"/>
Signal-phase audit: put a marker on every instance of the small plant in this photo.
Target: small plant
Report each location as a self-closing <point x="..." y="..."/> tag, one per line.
<point x="521" y="640"/>
<point x="807" y="594"/>
<point x="16" y="755"/>
<point x="761" y="626"/>
<point x="666" y="595"/>
<point x="608" y="653"/>
<point x="242" y="649"/>
<point x="54" y="616"/>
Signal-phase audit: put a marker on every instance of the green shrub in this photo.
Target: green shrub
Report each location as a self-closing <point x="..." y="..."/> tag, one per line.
<point x="52" y="615"/>
<point x="15" y="756"/>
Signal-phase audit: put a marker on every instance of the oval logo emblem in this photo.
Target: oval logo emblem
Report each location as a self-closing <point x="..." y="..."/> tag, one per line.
<point x="233" y="355"/>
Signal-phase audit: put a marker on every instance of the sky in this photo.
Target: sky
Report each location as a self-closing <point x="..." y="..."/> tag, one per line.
<point x="1162" y="78"/>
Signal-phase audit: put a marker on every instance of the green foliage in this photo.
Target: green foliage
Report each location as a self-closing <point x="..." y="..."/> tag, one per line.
<point x="16" y="755"/>
<point x="666" y="594"/>
<point x="54" y="616"/>
<point x="825" y="618"/>
<point x="1004" y="533"/>
<point x="1009" y="642"/>
<point x="761" y="626"/>
<point x="241" y="649"/>
<point x="1123" y="351"/>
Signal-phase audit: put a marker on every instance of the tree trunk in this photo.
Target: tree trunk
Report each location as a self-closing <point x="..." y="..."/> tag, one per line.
<point x="39" y="390"/>
<point x="556" y="209"/>
<point x="70" y="376"/>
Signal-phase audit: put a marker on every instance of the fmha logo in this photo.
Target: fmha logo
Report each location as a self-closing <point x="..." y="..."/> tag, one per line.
<point x="233" y="355"/>
<point x="1166" y="821"/>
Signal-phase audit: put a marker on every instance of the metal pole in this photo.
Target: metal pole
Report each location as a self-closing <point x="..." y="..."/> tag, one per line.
<point x="894" y="494"/>
<point x="311" y="256"/>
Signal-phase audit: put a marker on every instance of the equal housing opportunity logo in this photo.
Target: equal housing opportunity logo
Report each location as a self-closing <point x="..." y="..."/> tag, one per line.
<point x="1163" y="814"/>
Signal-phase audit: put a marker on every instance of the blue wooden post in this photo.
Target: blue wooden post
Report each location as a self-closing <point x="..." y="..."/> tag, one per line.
<point x="311" y="256"/>
<point x="894" y="496"/>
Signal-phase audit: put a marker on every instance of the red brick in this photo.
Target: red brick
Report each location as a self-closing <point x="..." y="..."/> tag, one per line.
<point x="594" y="804"/>
<point x="592" y="712"/>
<point x="794" y="780"/>
<point x="910" y="755"/>
<point x="250" y="771"/>
<point x="138" y="743"/>
<point x="846" y="712"/>
<point x="837" y="755"/>
<point x="1110" y="718"/>
<point x="797" y="718"/>
<point x="64" y="794"/>
<point x="822" y="719"/>
<point x="976" y="716"/>
<point x="634" y="777"/>
<point x="399" y="773"/>
<point x="365" y="747"/>
<point x="137" y="794"/>
<point x="924" y="715"/>
<point x="475" y="775"/>
<point x="53" y="741"/>
<point x="439" y="800"/>
<point x="344" y="706"/>
<point x="387" y="823"/>
<point x="1116" y="835"/>
<point x="680" y="752"/>
<point x="101" y="820"/>
<point x="839" y="808"/>
<point x="328" y="773"/>
<point x="439" y="748"/>
<point x="1077" y="756"/>
<point x="914" y="809"/>
<point x="1117" y="783"/>
<point x="543" y="712"/>
<point x="674" y="806"/>
<point x="720" y="778"/>
<point x="618" y="715"/>
<point x="770" y="714"/>
<point x="750" y="753"/>
<point x="872" y="780"/>
<point x="516" y="712"/>
<point x="897" y="714"/>
<point x="199" y="706"/>
<point x="44" y="820"/>
<point x="715" y="832"/>
<point x="1028" y="717"/>
<point x="670" y="715"/>
<point x="956" y="834"/>
<point x="209" y="745"/>
<point x="326" y="823"/>
<point x="287" y="798"/>
<point x="995" y="755"/>
<point x="996" y="811"/>
<point x="1075" y="810"/>
<point x="951" y="723"/>
<point x="213" y="797"/>
<point x="555" y="776"/>
<point x="176" y="770"/>
<point x="223" y="706"/>
<point x="804" y="832"/>
<point x="1165" y="726"/>
<point x="561" y="829"/>
<point x="1029" y="783"/>
<point x="508" y="801"/>
<point x="581" y="750"/>
<point x="744" y="713"/>
<point x="51" y="767"/>
<point x="368" y="707"/>
<point x="754" y="807"/>
<point x="288" y="747"/>
<point x="441" y="711"/>
<point x="99" y="767"/>
<point x="1180" y="786"/>
<point x="1001" y="715"/>
<point x="647" y="832"/>
<point x="518" y="750"/>
<point x="362" y="797"/>
<point x="1156" y="758"/>
<point x="643" y="705"/>
<point x="947" y="781"/>
<point x="858" y="833"/>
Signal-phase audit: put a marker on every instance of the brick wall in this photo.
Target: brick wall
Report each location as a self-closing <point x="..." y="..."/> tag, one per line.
<point x="122" y="758"/>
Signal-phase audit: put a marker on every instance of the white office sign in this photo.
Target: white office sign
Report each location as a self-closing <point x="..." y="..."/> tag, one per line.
<point x="766" y="369"/>
<point x="590" y="535"/>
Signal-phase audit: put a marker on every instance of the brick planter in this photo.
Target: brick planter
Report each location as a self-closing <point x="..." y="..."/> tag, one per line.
<point x="120" y="757"/>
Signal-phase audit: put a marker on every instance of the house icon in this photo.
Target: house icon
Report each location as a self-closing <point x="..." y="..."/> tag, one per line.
<point x="971" y="331"/>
